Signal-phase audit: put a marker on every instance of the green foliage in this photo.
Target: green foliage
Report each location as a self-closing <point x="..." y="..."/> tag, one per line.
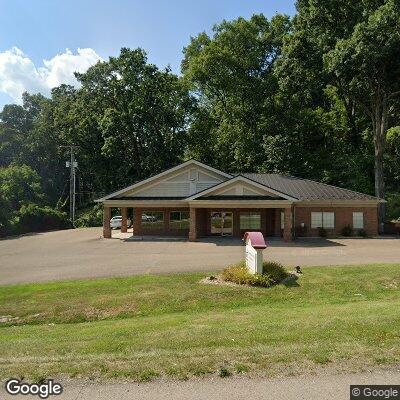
<point x="224" y="372"/>
<point x="232" y="72"/>
<point x="275" y="270"/>
<point x="322" y="232"/>
<point x="237" y="273"/>
<point x="310" y="96"/>
<point x="19" y="184"/>
<point x="347" y="231"/>
<point x="138" y="118"/>
<point x="362" y="233"/>
<point x="273" y="273"/>
<point x="393" y="206"/>
<point x="91" y="217"/>
<point x="33" y="218"/>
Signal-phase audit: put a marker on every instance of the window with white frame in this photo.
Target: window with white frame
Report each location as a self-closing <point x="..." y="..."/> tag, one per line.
<point x="358" y="220"/>
<point x="316" y="220"/>
<point x="250" y="220"/>
<point x="179" y="220"/>
<point x="323" y="220"/>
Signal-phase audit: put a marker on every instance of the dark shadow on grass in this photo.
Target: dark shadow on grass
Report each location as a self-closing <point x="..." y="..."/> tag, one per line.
<point x="290" y="283"/>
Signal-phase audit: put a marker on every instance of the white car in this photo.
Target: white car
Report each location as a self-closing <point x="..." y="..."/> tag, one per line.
<point x="116" y="222"/>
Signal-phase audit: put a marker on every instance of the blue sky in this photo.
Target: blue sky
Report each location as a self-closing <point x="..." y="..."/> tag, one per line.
<point x="43" y="29"/>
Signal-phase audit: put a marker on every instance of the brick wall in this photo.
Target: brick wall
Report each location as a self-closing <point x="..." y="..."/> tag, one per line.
<point x="343" y="217"/>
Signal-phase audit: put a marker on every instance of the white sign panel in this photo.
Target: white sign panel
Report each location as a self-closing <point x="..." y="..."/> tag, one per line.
<point x="254" y="259"/>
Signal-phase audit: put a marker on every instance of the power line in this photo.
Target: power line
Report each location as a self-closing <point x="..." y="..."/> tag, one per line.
<point x="72" y="164"/>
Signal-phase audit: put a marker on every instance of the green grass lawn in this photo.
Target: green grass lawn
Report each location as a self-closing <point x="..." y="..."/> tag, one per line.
<point x="140" y="327"/>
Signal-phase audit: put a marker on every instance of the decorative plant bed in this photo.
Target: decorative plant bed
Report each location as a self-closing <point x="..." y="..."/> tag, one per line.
<point x="239" y="275"/>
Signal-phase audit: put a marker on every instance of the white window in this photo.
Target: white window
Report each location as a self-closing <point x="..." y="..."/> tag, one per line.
<point x="328" y="220"/>
<point x="358" y="220"/>
<point x="323" y="220"/>
<point x="250" y="220"/>
<point x="316" y="220"/>
<point x="179" y="220"/>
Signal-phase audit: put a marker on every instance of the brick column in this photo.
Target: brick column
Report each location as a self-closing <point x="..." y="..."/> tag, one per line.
<point x="124" y="222"/>
<point x="137" y="221"/>
<point x="167" y="218"/>
<point x="106" y="222"/>
<point x="277" y="222"/>
<point x="288" y="228"/>
<point x="193" y="227"/>
<point x="236" y="223"/>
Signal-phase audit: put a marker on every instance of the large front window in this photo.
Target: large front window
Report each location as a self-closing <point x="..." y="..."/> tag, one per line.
<point x="250" y="220"/>
<point x="323" y="220"/>
<point x="358" y="220"/>
<point x="179" y="220"/>
<point x="153" y="220"/>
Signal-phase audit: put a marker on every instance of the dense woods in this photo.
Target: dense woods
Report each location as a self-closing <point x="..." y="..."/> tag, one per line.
<point x="316" y="96"/>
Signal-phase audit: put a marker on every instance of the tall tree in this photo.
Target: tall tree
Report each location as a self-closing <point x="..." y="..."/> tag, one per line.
<point x="353" y="47"/>
<point x="367" y="66"/>
<point x="141" y="112"/>
<point x="232" y="76"/>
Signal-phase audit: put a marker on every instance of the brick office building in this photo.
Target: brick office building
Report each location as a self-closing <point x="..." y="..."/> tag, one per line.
<point x="195" y="200"/>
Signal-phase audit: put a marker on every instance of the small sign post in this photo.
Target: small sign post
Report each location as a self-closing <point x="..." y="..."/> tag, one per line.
<point x="255" y="244"/>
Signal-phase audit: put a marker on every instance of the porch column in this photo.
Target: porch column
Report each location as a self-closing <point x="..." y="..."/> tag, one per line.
<point x="137" y="221"/>
<point x="193" y="227"/>
<point x="106" y="222"/>
<point x="277" y="222"/>
<point x="288" y="227"/>
<point x="167" y="217"/>
<point x="124" y="222"/>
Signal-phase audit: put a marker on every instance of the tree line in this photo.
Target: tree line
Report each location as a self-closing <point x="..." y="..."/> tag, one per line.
<point x="315" y="96"/>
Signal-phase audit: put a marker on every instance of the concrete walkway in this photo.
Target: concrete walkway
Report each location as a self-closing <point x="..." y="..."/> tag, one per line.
<point x="330" y="387"/>
<point x="82" y="253"/>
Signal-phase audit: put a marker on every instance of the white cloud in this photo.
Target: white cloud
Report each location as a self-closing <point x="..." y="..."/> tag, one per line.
<point x="19" y="74"/>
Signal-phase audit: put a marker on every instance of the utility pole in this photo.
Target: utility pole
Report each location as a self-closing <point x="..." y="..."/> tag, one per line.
<point x="71" y="164"/>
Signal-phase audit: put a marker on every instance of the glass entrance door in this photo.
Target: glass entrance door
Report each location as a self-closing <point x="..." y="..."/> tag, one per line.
<point x="222" y="223"/>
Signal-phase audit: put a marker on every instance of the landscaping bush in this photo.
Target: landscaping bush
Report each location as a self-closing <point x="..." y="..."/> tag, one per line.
<point x="347" y="231"/>
<point x="322" y="232"/>
<point x="273" y="273"/>
<point x="33" y="218"/>
<point x="237" y="273"/>
<point x="362" y="233"/>
<point x="275" y="270"/>
<point x="91" y="217"/>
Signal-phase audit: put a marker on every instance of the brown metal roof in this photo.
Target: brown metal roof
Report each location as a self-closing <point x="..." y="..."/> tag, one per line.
<point x="304" y="189"/>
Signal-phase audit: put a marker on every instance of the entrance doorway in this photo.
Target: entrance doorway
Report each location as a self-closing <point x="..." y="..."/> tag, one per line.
<point x="222" y="223"/>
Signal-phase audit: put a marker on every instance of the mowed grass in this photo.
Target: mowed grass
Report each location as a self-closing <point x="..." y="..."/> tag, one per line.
<point x="141" y="327"/>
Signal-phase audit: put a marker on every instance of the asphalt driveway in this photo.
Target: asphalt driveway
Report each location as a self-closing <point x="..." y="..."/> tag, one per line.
<point x="82" y="253"/>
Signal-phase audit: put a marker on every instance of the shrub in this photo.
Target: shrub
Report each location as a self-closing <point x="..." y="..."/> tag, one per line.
<point x="33" y="218"/>
<point x="347" y="231"/>
<point x="237" y="273"/>
<point x="322" y="232"/>
<point x="91" y="217"/>
<point x="273" y="273"/>
<point x="362" y="233"/>
<point x="275" y="270"/>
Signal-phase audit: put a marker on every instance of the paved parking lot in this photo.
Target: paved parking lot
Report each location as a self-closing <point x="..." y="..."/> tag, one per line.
<point x="82" y="253"/>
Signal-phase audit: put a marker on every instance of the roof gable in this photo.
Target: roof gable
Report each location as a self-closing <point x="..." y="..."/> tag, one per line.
<point x="181" y="181"/>
<point x="241" y="186"/>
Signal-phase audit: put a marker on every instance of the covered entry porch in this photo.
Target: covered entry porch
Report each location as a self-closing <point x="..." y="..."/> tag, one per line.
<point x="202" y="220"/>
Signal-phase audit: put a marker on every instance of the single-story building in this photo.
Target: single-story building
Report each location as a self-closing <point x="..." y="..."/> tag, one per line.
<point x="196" y="200"/>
